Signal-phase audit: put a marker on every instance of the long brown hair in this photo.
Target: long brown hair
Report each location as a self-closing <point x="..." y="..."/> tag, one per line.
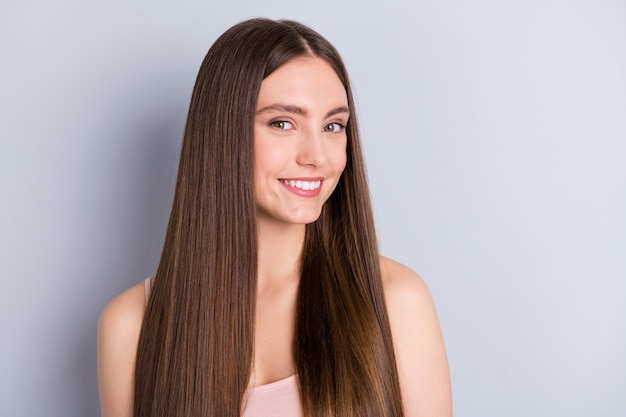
<point x="196" y="343"/>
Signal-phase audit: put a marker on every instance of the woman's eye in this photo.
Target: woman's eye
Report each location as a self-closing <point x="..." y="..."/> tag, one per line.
<point x="281" y="124"/>
<point x="334" y="127"/>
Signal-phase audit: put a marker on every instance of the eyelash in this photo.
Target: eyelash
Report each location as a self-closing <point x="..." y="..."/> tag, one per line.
<point x="340" y="127"/>
<point x="276" y="124"/>
<point x="280" y="125"/>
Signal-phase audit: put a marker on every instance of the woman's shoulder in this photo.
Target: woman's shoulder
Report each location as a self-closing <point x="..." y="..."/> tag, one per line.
<point x="418" y="342"/>
<point x="409" y="302"/>
<point x="400" y="281"/>
<point x="125" y="312"/>
<point x="118" y="336"/>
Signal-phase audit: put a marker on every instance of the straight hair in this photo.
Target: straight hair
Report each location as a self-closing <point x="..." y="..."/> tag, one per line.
<point x="196" y="343"/>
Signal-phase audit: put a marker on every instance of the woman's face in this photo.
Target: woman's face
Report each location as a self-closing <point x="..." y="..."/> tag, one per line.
<point x="299" y="140"/>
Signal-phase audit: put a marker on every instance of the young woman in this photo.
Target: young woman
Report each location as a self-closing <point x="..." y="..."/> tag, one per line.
<point x="271" y="298"/>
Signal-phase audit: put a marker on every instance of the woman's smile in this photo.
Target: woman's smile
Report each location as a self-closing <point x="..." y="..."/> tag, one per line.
<point x="304" y="187"/>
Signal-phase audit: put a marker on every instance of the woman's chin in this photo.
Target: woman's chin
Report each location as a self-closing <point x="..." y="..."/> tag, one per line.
<point x="303" y="217"/>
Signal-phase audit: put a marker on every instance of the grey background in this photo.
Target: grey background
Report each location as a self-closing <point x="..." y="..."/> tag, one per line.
<point x="495" y="135"/>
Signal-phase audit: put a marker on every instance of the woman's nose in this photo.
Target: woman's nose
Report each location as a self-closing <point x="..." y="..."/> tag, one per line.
<point x="311" y="149"/>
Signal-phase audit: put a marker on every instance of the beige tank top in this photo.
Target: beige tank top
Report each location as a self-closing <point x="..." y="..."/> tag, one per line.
<point x="276" y="399"/>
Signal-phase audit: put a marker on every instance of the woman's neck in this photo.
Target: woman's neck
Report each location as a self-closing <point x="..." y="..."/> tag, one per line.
<point x="280" y="248"/>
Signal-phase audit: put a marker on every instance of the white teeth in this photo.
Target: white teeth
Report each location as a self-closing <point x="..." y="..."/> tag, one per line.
<point x="303" y="185"/>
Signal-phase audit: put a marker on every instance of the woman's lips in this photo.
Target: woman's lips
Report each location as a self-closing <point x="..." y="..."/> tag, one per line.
<point x="304" y="187"/>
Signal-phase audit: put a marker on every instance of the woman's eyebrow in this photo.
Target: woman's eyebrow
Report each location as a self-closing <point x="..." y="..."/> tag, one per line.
<point x="288" y="108"/>
<point x="299" y="110"/>
<point x="338" y="110"/>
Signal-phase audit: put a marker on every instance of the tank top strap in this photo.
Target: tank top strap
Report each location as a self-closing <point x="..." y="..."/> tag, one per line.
<point x="147" y="286"/>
